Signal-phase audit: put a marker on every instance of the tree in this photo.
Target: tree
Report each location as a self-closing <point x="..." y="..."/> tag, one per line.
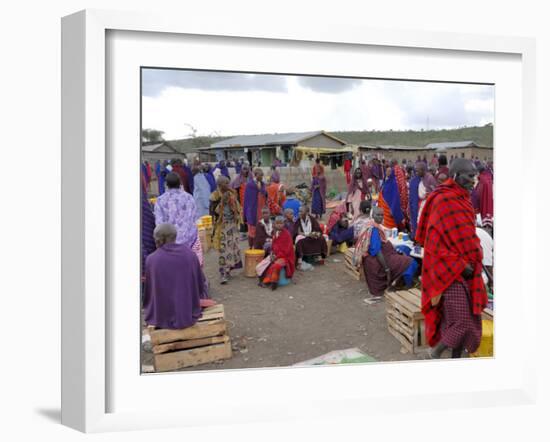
<point x="152" y="135"/>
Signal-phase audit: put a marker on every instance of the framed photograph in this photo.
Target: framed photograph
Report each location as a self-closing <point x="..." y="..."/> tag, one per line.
<point x="145" y="97"/>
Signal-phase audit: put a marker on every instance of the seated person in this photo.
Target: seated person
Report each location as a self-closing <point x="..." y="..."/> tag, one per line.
<point x="282" y="256"/>
<point x="264" y="230"/>
<point x="289" y="221"/>
<point x="342" y="232"/>
<point x="363" y="219"/>
<point x="174" y="282"/>
<point x="308" y="236"/>
<point x="292" y="202"/>
<point x="381" y="262"/>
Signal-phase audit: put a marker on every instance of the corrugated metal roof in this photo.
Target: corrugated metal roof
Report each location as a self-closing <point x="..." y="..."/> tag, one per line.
<point x="154" y="147"/>
<point x="452" y="145"/>
<point x="269" y="139"/>
<point x="151" y="147"/>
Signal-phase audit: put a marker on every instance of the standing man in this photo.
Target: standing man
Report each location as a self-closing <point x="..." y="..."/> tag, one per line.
<point x="239" y="185"/>
<point x="255" y="197"/>
<point x="453" y="292"/>
<point x="482" y="196"/>
<point x="420" y="187"/>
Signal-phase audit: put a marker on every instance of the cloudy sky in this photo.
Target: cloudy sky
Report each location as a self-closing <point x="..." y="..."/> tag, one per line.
<point x="222" y="103"/>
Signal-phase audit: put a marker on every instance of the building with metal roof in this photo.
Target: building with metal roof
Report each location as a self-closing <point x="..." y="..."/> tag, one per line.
<point x="153" y="151"/>
<point x="463" y="149"/>
<point x="265" y="148"/>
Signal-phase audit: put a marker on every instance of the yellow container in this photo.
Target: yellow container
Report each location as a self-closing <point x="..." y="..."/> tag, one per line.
<point x="485" y="349"/>
<point x="252" y="258"/>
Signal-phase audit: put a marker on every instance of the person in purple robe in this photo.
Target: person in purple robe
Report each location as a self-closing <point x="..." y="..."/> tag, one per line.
<point x="317" y="203"/>
<point x="147" y="226"/>
<point x="189" y="173"/>
<point x="174" y="283"/>
<point x="255" y="198"/>
<point x="223" y="168"/>
<point x="209" y="174"/>
<point x="420" y="186"/>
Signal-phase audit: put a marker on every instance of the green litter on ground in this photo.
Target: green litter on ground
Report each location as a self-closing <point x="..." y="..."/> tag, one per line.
<point x="337" y="357"/>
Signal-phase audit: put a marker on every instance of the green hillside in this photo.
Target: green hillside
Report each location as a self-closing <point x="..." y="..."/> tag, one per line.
<point x="481" y="135"/>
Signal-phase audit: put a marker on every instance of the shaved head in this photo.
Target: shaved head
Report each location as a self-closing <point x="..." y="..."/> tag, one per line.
<point x="461" y="165"/>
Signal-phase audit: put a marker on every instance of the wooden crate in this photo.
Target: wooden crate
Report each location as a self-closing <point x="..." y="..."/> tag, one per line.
<point x="206" y="341"/>
<point x="405" y="319"/>
<point x="355" y="272"/>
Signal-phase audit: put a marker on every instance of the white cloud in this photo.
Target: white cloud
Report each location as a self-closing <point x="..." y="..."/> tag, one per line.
<point x="370" y="104"/>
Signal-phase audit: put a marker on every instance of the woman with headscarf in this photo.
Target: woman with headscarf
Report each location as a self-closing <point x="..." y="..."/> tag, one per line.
<point x="282" y="256"/>
<point x="226" y="214"/>
<point x="382" y="264"/>
<point x="359" y="190"/>
<point x="275" y="194"/>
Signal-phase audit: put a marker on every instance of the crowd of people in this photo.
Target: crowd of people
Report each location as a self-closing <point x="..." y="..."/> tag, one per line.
<point x="446" y="209"/>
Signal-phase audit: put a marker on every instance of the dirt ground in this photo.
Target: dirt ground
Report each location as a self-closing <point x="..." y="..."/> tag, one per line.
<point x="320" y="311"/>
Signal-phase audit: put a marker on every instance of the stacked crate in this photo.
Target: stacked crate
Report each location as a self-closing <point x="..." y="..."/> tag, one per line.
<point x="204" y="225"/>
<point x="405" y="319"/>
<point x="206" y="341"/>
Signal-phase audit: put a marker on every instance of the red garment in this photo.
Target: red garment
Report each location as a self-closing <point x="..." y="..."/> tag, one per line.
<point x="274" y="198"/>
<point x="447" y="232"/>
<point x="484" y="193"/>
<point x="335" y="216"/>
<point x="317" y="170"/>
<point x="283" y="248"/>
<point x="401" y="178"/>
<point x="183" y="177"/>
<point x="347" y="170"/>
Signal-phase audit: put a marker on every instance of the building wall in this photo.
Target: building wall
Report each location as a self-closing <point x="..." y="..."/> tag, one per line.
<point x="400" y="155"/>
<point x="320" y="141"/>
<point x="154" y="156"/>
<point x="469" y="152"/>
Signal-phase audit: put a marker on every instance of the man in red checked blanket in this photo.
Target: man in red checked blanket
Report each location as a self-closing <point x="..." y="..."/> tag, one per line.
<point x="453" y="292"/>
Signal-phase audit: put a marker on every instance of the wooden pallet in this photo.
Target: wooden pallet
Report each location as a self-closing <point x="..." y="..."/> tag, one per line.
<point x="405" y="319"/>
<point x="204" y="342"/>
<point x="356" y="273"/>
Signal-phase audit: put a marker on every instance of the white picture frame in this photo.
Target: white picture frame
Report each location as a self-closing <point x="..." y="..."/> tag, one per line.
<point x="86" y="206"/>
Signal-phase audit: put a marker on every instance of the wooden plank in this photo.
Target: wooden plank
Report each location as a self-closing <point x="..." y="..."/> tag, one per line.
<point x="422" y="331"/>
<point x="487" y="314"/>
<point x="414" y="300"/>
<point x="416" y="292"/>
<point x="413" y="311"/>
<point x="199" y="330"/>
<point x="191" y="343"/>
<point x="408" y="346"/>
<point x="399" y="328"/>
<point x="190" y="358"/>
<point x="214" y="312"/>
<point x="355" y="276"/>
<point x="405" y="324"/>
